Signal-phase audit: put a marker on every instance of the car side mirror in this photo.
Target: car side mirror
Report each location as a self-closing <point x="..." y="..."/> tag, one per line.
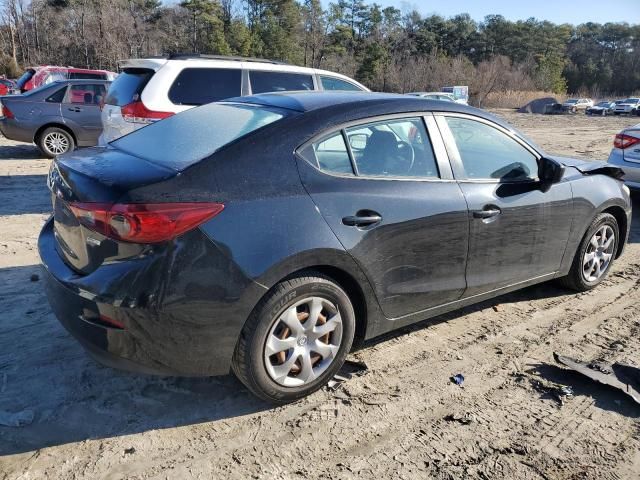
<point x="549" y="172"/>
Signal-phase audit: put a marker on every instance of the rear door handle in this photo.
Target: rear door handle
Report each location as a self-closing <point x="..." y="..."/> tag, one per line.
<point x="75" y="109"/>
<point x="488" y="213"/>
<point x="362" y="220"/>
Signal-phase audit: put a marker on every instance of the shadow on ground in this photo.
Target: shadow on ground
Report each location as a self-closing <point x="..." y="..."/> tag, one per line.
<point x="24" y="194"/>
<point x="23" y="151"/>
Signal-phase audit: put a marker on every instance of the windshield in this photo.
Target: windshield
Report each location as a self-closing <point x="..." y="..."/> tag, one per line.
<point x="603" y="104"/>
<point x="572" y="100"/>
<point x="184" y="139"/>
<point x="632" y="100"/>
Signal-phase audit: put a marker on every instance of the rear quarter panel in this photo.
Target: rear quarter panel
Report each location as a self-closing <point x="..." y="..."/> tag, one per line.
<point x="592" y="194"/>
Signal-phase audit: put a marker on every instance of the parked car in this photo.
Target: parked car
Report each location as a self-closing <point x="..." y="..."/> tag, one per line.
<point x="576" y="104"/>
<point x="446" y="97"/>
<point x="603" y="108"/>
<point x="248" y="235"/>
<point x="7" y="87"/>
<point x="151" y="89"/>
<point x="38" y="76"/>
<point x="626" y="154"/>
<point x="56" y="117"/>
<point x="630" y="106"/>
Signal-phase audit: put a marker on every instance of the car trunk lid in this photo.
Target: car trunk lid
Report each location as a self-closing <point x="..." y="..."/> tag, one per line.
<point x="95" y="175"/>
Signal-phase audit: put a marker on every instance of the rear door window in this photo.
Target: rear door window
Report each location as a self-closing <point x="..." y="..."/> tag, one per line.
<point x="128" y="86"/>
<point x="86" y="76"/>
<point x="332" y="83"/>
<point x="197" y="86"/>
<point x="86" y="94"/>
<point x="264" y="82"/>
<point x="331" y="155"/>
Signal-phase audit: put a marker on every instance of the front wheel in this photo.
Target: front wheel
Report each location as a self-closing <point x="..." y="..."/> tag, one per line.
<point x="595" y="254"/>
<point x="296" y="339"/>
<point x="55" y="141"/>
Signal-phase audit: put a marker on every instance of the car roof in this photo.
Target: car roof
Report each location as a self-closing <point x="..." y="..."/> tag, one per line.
<point x="308" y="101"/>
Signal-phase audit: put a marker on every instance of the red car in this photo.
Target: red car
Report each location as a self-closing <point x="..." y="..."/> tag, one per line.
<point x="37" y="76"/>
<point x="6" y="86"/>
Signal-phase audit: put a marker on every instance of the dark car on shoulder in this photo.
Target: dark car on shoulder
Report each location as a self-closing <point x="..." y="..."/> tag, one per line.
<point x="264" y="235"/>
<point x="56" y="117"/>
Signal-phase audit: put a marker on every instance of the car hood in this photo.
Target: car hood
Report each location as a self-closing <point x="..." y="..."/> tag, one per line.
<point x="590" y="167"/>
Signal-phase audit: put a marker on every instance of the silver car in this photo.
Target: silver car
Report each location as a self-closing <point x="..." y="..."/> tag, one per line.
<point x="56" y="117"/>
<point x="630" y="106"/>
<point x="626" y="154"/>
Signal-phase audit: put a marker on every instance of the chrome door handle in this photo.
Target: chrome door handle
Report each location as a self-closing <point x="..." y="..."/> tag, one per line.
<point x="489" y="213"/>
<point x="361" y="221"/>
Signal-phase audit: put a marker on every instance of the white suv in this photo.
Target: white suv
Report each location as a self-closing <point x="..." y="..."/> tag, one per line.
<point x="151" y="89"/>
<point x="629" y="106"/>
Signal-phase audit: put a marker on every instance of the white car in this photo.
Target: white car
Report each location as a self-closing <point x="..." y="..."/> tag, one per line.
<point x="446" y="97"/>
<point x="626" y="154"/>
<point x="575" y="104"/>
<point x="150" y="89"/>
<point x="630" y="106"/>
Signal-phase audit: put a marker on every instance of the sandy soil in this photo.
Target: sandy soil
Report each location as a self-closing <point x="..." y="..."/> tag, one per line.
<point x="401" y="418"/>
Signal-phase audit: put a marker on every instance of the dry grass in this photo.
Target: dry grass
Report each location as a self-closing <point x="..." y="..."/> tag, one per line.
<point x="517" y="99"/>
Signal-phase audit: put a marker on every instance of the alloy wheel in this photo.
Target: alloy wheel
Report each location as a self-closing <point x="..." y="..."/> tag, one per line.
<point x="57" y="143"/>
<point x="599" y="253"/>
<point x="303" y="342"/>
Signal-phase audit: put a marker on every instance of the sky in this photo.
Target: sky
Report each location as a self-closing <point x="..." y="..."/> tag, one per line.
<point x="557" y="11"/>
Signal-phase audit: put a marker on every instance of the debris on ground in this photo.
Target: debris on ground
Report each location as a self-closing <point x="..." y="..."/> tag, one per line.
<point x="350" y="369"/>
<point x="458" y="379"/>
<point x="18" y="419"/>
<point x="464" y="419"/>
<point x="617" y="375"/>
<point x="130" y="450"/>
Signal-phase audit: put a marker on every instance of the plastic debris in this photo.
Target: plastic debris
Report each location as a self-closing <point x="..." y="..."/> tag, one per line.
<point x="618" y="375"/>
<point x="458" y="379"/>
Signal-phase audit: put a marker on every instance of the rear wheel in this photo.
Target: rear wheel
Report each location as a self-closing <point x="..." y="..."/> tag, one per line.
<point x="55" y="141"/>
<point x="296" y="339"/>
<point x="595" y="254"/>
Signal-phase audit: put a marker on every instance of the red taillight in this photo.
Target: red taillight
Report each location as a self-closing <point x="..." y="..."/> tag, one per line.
<point x="144" y="223"/>
<point x="6" y="113"/>
<point x="623" y="141"/>
<point x="137" y="112"/>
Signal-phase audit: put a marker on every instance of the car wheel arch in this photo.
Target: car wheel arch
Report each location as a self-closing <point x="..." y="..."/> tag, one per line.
<point x="621" y="217"/>
<point x="341" y="268"/>
<point x="62" y="126"/>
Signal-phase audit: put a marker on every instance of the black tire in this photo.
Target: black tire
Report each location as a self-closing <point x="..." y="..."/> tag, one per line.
<point x="55" y="136"/>
<point x="575" y="280"/>
<point x="249" y="362"/>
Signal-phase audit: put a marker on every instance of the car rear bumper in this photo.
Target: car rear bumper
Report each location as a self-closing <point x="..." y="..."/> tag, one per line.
<point x="175" y="337"/>
<point x="631" y="169"/>
<point x="14" y="131"/>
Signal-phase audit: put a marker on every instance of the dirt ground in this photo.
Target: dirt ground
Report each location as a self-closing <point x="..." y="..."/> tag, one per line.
<point x="402" y="418"/>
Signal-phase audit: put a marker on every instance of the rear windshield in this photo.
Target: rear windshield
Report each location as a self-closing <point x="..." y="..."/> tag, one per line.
<point x="184" y="139"/>
<point x="128" y="86"/>
<point x="197" y="86"/>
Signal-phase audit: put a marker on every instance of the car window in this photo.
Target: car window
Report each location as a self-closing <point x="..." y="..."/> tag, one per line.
<point x="128" y="86"/>
<point x="86" y="94"/>
<point x="332" y="83"/>
<point x="57" y="97"/>
<point x="198" y="86"/>
<point x="393" y="148"/>
<point x="488" y="153"/>
<point x="263" y="82"/>
<point x="332" y="156"/>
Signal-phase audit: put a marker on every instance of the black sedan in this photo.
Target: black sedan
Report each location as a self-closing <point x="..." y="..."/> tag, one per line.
<point x="265" y="234"/>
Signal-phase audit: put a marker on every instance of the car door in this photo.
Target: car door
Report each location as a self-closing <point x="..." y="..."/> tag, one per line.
<point x="81" y="110"/>
<point x="395" y="207"/>
<point x="517" y="232"/>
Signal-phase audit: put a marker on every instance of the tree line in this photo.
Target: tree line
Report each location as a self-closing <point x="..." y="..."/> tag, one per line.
<point x="383" y="47"/>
